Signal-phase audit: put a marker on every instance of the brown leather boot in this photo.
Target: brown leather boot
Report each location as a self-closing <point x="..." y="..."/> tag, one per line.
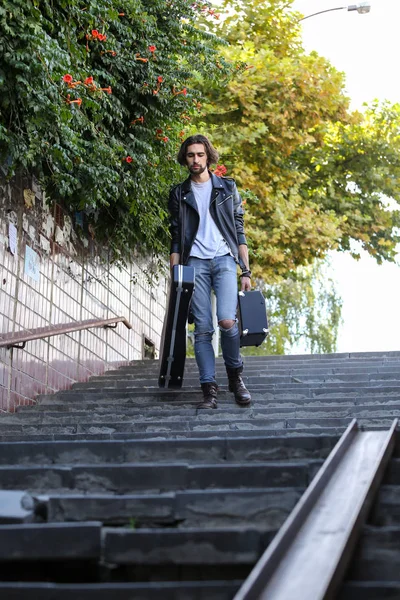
<point x="236" y="385"/>
<point x="210" y="390"/>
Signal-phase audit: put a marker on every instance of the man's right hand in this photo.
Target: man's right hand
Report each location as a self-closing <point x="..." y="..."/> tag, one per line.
<point x="246" y="284"/>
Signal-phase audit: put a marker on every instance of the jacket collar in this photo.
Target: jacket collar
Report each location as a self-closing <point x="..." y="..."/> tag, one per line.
<point x="216" y="183"/>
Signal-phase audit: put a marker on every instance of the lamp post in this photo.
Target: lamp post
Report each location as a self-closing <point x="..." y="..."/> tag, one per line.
<point x="362" y="8"/>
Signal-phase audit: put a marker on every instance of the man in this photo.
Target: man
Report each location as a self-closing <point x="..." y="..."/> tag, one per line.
<point x="207" y="233"/>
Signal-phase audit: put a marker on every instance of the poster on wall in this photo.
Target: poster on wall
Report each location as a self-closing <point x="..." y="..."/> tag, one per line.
<point x="32" y="264"/>
<point x="12" y="238"/>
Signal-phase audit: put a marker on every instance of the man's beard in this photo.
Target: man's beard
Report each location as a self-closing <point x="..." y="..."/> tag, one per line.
<point x="197" y="170"/>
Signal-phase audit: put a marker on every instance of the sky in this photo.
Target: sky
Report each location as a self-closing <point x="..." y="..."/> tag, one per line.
<point x="367" y="49"/>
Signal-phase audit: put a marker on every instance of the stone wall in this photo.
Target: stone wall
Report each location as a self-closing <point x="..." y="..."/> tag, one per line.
<point x="50" y="275"/>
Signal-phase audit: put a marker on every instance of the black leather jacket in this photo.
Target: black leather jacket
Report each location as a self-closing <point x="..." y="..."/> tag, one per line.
<point x="225" y="208"/>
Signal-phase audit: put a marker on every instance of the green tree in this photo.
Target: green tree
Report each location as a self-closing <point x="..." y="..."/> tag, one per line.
<point x="304" y="313"/>
<point x="94" y="99"/>
<point x="315" y="172"/>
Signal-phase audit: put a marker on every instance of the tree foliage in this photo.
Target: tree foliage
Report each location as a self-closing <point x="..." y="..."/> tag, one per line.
<point x="304" y="313"/>
<point x="315" y="172"/>
<point x="94" y="99"/>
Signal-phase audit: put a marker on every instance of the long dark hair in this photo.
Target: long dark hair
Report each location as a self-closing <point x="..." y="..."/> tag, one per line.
<point x="212" y="154"/>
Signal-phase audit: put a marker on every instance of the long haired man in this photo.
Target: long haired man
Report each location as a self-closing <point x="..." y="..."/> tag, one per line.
<point x="207" y="232"/>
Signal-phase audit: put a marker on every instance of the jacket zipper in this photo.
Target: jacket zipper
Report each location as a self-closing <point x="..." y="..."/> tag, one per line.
<point x="225" y="199"/>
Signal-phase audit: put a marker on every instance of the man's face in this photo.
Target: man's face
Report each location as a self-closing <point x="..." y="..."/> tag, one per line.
<point x="196" y="159"/>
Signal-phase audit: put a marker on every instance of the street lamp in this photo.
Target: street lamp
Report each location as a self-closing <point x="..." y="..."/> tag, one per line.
<point x="362" y="8"/>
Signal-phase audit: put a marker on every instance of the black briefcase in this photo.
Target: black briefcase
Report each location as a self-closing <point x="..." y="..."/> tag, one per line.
<point x="173" y="339"/>
<point x="253" y="323"/>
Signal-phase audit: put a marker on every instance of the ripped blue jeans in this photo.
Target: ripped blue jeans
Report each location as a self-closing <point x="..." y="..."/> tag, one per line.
<point x="219" y="274"/>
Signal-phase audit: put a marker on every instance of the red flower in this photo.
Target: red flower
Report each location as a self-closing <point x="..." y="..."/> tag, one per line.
<point x="138" y="57"/>
<point x="88" y="81"/>
<point x="159" y="131"/>
<point x="165" y="139"/>
<point x="138" y="120"/>
<point x="152" y="48"/>
<point x="129" y="159"/>
<point x="220" y="170"/>
<point x="78" y="101"/>
<point x="68" y="78"/>
<point x="107" y="89"/>
<point x="182" y="91"/>
<point x="95" y="33"/>
<point x="160" y="79"/>
<point x="102" y="37"/>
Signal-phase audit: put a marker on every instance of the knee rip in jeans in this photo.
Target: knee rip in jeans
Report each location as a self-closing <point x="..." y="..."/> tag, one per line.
<point x="227" y="324"/>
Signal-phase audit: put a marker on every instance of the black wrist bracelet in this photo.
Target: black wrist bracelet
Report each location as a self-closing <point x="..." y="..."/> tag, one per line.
<point x="245" y="274"/>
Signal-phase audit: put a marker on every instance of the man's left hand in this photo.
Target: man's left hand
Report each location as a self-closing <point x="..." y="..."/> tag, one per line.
<point x="246" y="284"/>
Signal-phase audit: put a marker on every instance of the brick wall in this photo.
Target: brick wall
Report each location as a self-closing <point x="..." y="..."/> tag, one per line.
<point x="68" y="278"/>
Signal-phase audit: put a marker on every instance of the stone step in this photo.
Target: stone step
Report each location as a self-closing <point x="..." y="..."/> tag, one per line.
<point x="55" y="409"/>
<point x="222" y="546"/>
<point x="344" y="357"/>
<point x="178" y="435"/>
<point x="392" y="473"/>
<point x="267" y="391"/>
<point x="223" y="450"/>
<point x="49" y="541"/>
<point x="386" y="510"/>
<point x="223" y="413"/>
<point x="165" y="590"/>
<point x="377" y="556"/>
<point x="155" y="477"/>
<point x="125" y="546"/>
<point x="187" y="426"/>
<point x="254" y="382"/>
<point x="148" y="397"/>
<point x="216" y="426"/>
<point x="266" y="381"/>
<point x="268" y="367"/>
<point x="369" y="590"/>
<point x="254" y="370"/>
<point x="278" y="368"/>
<point x="136" y="406"/>
<point x="265" y="508"/>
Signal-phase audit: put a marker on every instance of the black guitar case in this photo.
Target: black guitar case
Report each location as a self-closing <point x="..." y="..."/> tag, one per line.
<point x="173" y="339"/>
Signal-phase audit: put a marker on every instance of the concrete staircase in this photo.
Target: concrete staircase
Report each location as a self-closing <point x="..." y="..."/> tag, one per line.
<point x="116" y="489"/>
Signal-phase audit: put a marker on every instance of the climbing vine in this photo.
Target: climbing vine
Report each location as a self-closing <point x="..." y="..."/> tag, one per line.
<point x="95" y="97"/>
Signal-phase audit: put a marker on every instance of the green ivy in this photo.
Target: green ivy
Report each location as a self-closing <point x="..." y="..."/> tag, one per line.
<point x="103" y="141"/>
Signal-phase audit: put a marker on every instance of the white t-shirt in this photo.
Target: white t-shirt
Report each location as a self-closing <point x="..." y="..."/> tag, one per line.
<point x="209" y="242"/>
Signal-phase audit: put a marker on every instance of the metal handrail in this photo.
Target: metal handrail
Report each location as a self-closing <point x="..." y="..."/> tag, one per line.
<point x="19" y="338"/>
<point x="299" y="539"/>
